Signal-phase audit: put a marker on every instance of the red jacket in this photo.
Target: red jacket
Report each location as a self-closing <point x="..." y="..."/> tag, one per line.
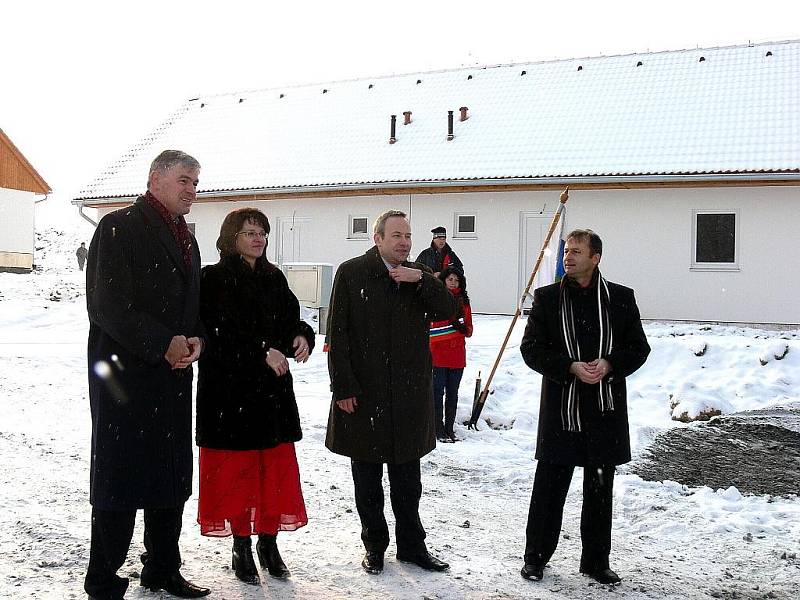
<point x="448" y="348"/>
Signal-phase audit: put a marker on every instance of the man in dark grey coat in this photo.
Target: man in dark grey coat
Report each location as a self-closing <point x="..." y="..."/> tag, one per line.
<point x="380" y="368"/>
<point x="142" y="295"/>
<point x="81" y="253"/>
<point x="584" y="336"/>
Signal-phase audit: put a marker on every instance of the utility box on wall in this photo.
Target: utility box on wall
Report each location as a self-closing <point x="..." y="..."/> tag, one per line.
<point x="311" y="283"/>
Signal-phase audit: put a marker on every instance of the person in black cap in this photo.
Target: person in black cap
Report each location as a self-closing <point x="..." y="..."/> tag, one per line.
<point x="440" y="255"/>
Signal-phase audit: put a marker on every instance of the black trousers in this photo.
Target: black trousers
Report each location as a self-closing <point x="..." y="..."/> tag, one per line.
<point x="405" y="491"/>
<point x="112" y="532"/>
<point x="550" y="487"/>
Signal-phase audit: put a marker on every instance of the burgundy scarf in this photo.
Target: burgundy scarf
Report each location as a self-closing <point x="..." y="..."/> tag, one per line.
<point x="178" y="227"/>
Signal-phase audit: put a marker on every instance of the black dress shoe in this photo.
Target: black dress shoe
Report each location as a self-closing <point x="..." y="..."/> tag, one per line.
<point x="602" y="575"/>
<point x="424" y="560"/>
<point x="176" y="585"/>
<point x="373" y="563"/>
<point x="242" y="563"/>
<point x="533" y="572"/>
<point x="270" y="557"/>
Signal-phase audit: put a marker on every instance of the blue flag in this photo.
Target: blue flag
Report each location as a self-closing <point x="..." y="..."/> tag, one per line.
<point x="552" y="267"/>
<point x="560" y="258"/>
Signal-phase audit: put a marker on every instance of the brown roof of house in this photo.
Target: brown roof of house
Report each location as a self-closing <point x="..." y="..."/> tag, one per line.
<point x="16" y="173"/>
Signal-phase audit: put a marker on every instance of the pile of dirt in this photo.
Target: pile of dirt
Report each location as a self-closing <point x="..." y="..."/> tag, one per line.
<point x="757" y="451"/>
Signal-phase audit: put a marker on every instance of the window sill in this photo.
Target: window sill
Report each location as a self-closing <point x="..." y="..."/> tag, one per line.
<point x="715" y="267"/>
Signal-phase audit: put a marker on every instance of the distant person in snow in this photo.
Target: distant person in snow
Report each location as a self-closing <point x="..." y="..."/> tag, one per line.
<point x="440" y="255"/>
<point x="143" y="300"/>
<point x="449" y="353"/>
<point x="380" y="369"/>
<point x="247" y="419"/>
<point x="81" y="253"/>
<point x="584" y="336"/>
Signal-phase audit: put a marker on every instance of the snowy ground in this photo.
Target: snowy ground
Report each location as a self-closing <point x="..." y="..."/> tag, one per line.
<point x="670" y="541"/>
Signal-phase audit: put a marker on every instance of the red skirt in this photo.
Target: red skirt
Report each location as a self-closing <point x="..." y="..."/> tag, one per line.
<point x="246" y="492"/>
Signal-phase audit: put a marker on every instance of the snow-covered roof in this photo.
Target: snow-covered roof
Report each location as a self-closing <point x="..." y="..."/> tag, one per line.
<point x="731" y="110"/>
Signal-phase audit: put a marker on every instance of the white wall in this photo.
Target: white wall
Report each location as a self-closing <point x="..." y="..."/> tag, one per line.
<point x="647" y="237"/>
<point x="16" y="228"/>
<point x="326" y="240"/>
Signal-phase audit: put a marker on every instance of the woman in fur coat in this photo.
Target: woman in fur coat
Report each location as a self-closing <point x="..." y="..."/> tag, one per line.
<point x="247" y="418"/>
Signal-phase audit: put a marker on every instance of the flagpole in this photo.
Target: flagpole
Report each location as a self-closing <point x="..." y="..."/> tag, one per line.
<point x="481" y="400"/>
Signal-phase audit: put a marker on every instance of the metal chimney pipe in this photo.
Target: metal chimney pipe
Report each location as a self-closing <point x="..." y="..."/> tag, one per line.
<point x="450" y="135"/>
<point x="392" y="138"/>
<point x="463" y="110"/>
<point x="407" y="117"/>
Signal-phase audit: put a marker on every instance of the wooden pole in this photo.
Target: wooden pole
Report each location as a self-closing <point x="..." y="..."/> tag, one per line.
<point x="476" y="411"/>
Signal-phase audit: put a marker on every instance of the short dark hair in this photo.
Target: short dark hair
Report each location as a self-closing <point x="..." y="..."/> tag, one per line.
<point x="380" y="223"/>
<point x="233" y="223"/>
<point x="590" y="237"/>
<point x="168" y="159"/>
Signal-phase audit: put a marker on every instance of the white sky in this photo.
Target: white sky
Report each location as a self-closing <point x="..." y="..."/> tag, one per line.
<point x="81" y="81"/>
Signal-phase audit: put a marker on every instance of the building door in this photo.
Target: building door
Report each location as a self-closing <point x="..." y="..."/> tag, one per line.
<point x="291" y="244"/>
<point x="533" y="229"/>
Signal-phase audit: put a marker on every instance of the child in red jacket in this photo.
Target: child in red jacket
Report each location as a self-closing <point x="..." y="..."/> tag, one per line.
<point x="449" y="353"/>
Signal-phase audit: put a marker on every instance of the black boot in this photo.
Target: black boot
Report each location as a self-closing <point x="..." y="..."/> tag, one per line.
<point x="449" y="421"/>
<point x="269" y="557"/>
<point x="242" y="562"/>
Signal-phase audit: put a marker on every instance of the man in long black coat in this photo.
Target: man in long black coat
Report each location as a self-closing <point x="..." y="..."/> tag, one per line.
<point x="584" y="336"/>
<point x="380" y="367"/>
<point x="142" y="294"/>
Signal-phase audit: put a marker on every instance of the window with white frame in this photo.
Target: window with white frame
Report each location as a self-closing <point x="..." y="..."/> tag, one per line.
<point x="715" y="240"/>
<point x="358" y="227"/>
<point x="465" y="225"/>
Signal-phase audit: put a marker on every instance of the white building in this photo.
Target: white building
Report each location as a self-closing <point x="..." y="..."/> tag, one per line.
<point x="687" y="163"/>
<point x="19" y="185"/>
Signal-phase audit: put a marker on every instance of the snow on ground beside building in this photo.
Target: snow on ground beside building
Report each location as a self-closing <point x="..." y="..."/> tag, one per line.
<point x="670" y="541"/>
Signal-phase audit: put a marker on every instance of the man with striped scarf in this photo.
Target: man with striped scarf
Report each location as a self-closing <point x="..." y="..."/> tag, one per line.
<point x="584" y="336"/>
